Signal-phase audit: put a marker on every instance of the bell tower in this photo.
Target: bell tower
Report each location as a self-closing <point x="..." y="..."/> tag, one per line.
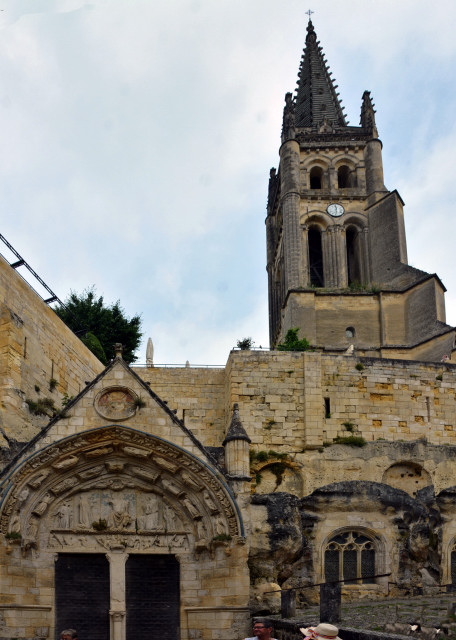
<point x="336" y="248"/>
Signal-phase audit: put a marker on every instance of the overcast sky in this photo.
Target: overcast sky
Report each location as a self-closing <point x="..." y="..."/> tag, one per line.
<point x="136" y="139"/>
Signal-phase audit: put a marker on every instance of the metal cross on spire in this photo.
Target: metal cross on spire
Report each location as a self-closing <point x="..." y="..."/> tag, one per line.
<point x="309" y="13"/>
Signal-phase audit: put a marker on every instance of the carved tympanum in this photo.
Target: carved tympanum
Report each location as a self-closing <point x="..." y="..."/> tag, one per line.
<point x="139" y="487"/>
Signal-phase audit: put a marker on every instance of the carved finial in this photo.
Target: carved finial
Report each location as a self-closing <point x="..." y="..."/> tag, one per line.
<point x="311" y="35"/>
<point x="288" y="122"/>
<point x="118" y="348"/>
<point x="368" y="115"/>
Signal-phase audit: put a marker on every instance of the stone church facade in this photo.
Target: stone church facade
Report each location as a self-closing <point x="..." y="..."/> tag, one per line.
<point x="182" y="500"/>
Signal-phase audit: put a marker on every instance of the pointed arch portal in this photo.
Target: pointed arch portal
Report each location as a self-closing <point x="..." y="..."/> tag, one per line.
<point x="124" y="514"/>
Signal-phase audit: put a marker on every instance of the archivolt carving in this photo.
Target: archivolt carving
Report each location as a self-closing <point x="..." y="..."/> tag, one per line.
<point x="90" y="490"/>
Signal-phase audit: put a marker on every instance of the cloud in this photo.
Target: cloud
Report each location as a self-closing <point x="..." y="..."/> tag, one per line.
<point x="137" y="140"/>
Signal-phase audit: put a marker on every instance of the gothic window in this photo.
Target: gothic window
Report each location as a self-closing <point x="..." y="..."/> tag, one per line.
<point x="353" y="245"/>
<point x="350" y="557"/>
<point x="315" y="257"/>
<point x="316" y="178"/>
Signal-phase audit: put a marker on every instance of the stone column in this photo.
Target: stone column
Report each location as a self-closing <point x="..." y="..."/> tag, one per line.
<point x="118" y="607"/>
<point x="365" y="263"/>
<point x="340" y="257"/>
<point x="361" y="177"/>
<point x="333" y="183"/>
<point x="374" y="169"/>
<point x="305" y="255"/>
<point x="327" y="255"/>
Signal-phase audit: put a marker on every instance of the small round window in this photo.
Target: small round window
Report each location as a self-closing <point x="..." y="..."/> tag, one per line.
<point x="350" y="332"/>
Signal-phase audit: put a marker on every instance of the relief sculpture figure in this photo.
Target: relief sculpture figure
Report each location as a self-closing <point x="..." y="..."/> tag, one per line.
<point x="84" y="512"/>
<point x="64" y="516"/>
<point x="209" y="502"/>
<point x="119" y="518"/>
<point x="172" y="522"/>
<point x="22" y="497"/>
<point x="220" y="526"/>
<point x="150" y="521"/>
<point x="171" y="486"/>
<point x="191" y="508"/>
<point x="201" y="531"/>
<point x="15" y="524"/>
<point x="43" y="505"/>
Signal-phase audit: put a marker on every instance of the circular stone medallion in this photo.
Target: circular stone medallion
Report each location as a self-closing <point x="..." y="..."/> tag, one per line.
<point x="116" y="403"/>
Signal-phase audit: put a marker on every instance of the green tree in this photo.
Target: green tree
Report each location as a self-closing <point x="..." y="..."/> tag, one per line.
<point x="293" y="343"/>
<point x="100" y="326"/>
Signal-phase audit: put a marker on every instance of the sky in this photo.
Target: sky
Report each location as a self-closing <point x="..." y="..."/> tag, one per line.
<point x="136" y="139"/>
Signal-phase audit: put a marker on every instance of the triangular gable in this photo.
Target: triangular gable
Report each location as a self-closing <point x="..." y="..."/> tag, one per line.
<point x="116" y="396"/>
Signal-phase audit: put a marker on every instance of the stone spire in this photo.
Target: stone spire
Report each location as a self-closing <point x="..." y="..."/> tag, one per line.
<point x="236" y="445"/>
<point x="236" y="431"/>
<point x="317" y="101"/>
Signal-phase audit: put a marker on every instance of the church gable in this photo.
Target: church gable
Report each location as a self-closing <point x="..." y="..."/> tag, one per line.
<point x="117" y="396"/>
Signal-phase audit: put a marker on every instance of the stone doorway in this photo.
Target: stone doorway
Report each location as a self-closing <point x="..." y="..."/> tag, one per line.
<point x="82" y="595"/>
<point x="152" y="596"/>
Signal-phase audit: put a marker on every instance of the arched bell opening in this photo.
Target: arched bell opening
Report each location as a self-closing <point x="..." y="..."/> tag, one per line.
<point x="354" y="252"/>
<point x="316" y="272"/>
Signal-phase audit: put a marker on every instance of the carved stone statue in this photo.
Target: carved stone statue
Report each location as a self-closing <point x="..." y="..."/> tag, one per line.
<point x="64" y="516"/>
<point x="209" y="502"/>
<point x="22" y="497"/>
<point x="201" y="530"/>
<point x="288" y="127"/>
<point x="191" y="508"/>
<point x="171" y="486"/>
<point x="66" y="463"/>
<point x="220" y="526"/>
<point x="15" y="523"/>
<point x="31" y="536"/>
<point x="119" y="518"/>
<point x="85" y="517"/>
<point x="150" y="521"/>
<point x="41" y="507"/>
<point x="172" y="522"/>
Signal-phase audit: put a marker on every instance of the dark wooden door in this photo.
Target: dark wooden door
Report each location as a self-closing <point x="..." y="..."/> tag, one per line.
<point x="82" y="595"/>
<point x="152" y="594"/>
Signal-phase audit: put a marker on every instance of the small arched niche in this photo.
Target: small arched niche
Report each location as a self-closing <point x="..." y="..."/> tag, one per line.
<point x="278" y="476"/>
<point x="407" y="476"/>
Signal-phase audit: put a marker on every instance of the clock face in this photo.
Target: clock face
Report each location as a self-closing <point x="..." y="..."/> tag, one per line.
<point x="335" y="210"/>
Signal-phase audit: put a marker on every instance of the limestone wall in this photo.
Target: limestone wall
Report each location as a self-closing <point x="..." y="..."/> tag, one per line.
<point x="36" y="348"/>
<point x="196" y="393"/>
<point x="293" y="401"/>
<point x="296" y="400"/>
